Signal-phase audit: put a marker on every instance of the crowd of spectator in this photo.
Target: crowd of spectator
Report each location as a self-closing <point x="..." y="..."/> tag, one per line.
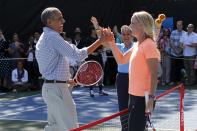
<point x="178" y="55"/>
<point x="19" y="69"/>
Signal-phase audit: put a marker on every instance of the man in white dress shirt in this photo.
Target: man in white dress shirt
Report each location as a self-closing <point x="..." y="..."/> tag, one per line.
<point x="189" y="42"/>
<point x="52" y="53"/>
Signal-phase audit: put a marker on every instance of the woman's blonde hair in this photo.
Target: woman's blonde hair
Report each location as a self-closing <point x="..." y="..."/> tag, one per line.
<point x="146" y="21"/>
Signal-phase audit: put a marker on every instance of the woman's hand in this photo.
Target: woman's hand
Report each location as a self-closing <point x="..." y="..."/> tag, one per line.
<point x="94" y="22"/>
<point x="107" y="37"/>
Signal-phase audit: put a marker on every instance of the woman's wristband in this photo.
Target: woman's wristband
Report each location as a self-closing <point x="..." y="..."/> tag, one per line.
<point x="151" y="96"/>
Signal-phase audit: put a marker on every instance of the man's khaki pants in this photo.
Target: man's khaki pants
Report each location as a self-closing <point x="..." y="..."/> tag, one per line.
<point x="61" y="109"/>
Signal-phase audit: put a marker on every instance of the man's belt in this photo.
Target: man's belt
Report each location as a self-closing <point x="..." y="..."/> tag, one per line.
<point x="54" y="81"/>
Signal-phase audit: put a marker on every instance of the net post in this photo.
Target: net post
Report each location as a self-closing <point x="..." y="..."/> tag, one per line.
<point x="181" y="107"/>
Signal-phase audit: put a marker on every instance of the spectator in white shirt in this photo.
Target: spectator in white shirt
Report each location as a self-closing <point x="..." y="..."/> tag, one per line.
<point x="189" y="42"/>
<point x="20" y="78"/>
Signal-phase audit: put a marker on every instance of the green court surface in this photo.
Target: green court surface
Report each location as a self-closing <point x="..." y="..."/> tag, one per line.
<point x="13" y="125"/>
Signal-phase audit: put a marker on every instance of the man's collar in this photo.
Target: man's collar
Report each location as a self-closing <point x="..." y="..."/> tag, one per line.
<point x="49" y="30"/>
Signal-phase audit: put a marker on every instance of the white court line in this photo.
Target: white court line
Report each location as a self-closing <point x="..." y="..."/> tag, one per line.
<point x="23" y="120"/>
<point x="2" y="94"/>
<point x="15" y="113"/>
<point x="20" y="98"/>
<point x="25" y="97"/>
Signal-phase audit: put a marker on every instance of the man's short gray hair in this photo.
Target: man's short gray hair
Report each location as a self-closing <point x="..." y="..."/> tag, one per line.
<point x="48" y="13"/>
<point x="126" y="28"/>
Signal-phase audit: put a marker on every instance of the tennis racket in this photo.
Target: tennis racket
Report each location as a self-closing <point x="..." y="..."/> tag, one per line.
<point x="148" y="114"/>
<point x="89" y="73"/>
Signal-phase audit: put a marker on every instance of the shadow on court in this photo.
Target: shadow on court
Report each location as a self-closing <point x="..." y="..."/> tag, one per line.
<point x="28" y="112"/>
